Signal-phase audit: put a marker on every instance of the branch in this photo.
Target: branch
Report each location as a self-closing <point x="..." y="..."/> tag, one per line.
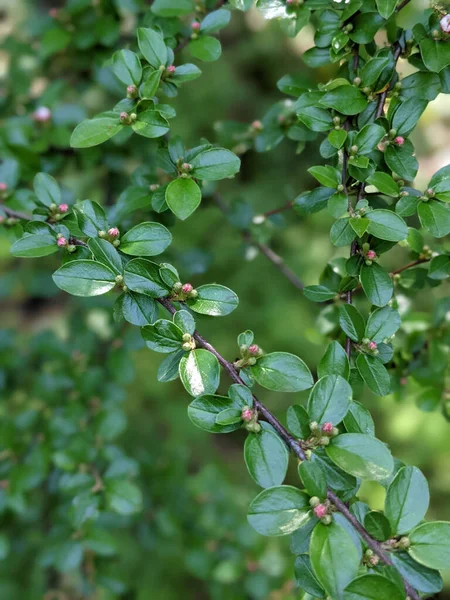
<point x="280" y="209"/>
<point x="414" y="263"/>
<point x="296" y="447"/>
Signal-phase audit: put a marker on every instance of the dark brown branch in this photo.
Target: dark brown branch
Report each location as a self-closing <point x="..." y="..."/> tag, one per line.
<point x="280" y="209"/>
<point x="402" y="5"/>
<point x="414" y="263"/>
<point x="296" y="447"/>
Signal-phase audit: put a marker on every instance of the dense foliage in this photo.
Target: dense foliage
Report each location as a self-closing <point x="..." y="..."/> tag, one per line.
<point x="61" y="459"/>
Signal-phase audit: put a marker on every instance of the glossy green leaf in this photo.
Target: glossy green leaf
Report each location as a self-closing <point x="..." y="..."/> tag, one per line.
<point x="266" y="457"/>
<point x="361" y="455"/>
<point x="407" y="500"/>
<point x="183" y="196"/>
<point x="368" y="138"/>
<point x="386" y="8"/>
<point x="327" y="176"/>
<point x="93" y="132"/>
<point x="401" y="160"/>
<point x="435" y="218"/>
<point x="334" y="362"/>
<point x="387" y="225"/>
<point x="138" y="309"/>
<point x="123" y="497"/>
<point x="172" y="8"/>
<point x="34" y="245"/>
<point x="279" y="510"/>
<point x="105" y="253"/>
<point x="146" y="239"/>
<point x="84" y="278"/>
<point x="382" y="323"/>
<point x="46" y="189"/>
<point x="384" y="184"/>
<point x="359" y="420"/>
<point x="214" y="300"/>
<point x="163" y="336"/>
<point x="374" y="374"/>
<point x="376" y="283"/>
<point x="329" y="399"/>
<point x="200" y="372"/>
<point x="351" y="322"/>
<point x="373" y="587"/>
<point x="150" y="124"/>
<point x="203" y="412"/>
<point x="91" y="218"/>
<point x="127" y="67"/>
<point x="334" y="558"/>
<point x="215" y="21"/>
<point x="346" y="99"/>
<point x="298" y="421"/>
<point x="313" y="478"/>
<point x="435" y="54"/>
<point x="142" y="276"/>
<point x="151" y="84"/>
<point x="152" y="46"/>
<point x="282" y="372"/>
<point x="430" y="544"/>
<point x="420" y="577"/>
<point x="206" y="48"/>
<point x="407" y="114"/>
<point x="306" y="579"/>
<point x="377" y="525"/>
<point x="214" y="164"/>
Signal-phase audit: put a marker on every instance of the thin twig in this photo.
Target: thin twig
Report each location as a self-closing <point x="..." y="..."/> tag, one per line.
<point x="414" y="263"/>
<point x="402" y="5"/>
<point x="280" y="209"/>
<point x="296" y="446"/>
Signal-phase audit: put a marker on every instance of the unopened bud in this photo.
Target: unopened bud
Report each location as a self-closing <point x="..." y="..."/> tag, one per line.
<point x="357" y="81"/>
<point x="102" y="234"/>
<point x="195" y="26"/>
<point x="257" y="125"/>
<point x="445" y="23"/>
<point x="153" y="187"/>
<point x="324" y="441"/>
<point x="193" y="294"/>
<point x="327" y="427"/>
<point x="253" y="349"/>
<point x="186" y="166"/>
<point x="314" y="426"/>
<point x="354" y="149"/>
<point x="171" y="69"/>
<point x="399" y="140"/>
<point x="372" y="345"/>
<point x="42" y="114"/>
<point x="430" y="192"/>
<point x="3" y="186"/>
<point x="119" y="279"/>
<point x="187" y="288"/>
<point x="61" y="241"/>
<point x="371" y="254"/>
<point x="321" y="510"/>
<point x="258" y="219"/>
<point x="251" y="361"/>
<point x="337" y="120"/>
<point x="116" y="243"/>
<point x="314" y="501"/>
<point x="132" y="91"/>
<point x="247" y="414"/>
<point x="71" y="248"/>
<point x="124" y="118"/>
<point x="340" y="188"/>
<point x="113" y="232"/>
<point x="63" y="208"/>
<point x="404" y="543"/>
<point x="186" y="346"/>
<point x="186" y="337"/>
<point x="177" y="287"/>
<point x="53" y="13"/>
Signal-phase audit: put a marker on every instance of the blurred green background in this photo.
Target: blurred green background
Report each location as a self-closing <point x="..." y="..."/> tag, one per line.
<point x="192" y="540"/>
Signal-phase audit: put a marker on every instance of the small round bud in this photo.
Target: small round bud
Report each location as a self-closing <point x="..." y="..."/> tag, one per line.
<point x="398" y="85"/>
<point x="195" y="26"/>
<point x="365" y="341"/>
<point x="186" y="346"/>
<point x="113" y="232"/>
<point x="116" y="243"/>
<point x="335" y="432"/>
<point x="354" y="149"/>
<point x="253" y="349"/>
<point x="436" y="34"/>
<point x="71" y="248"/>
<point x="365" y="246"/>
<point x="258" y="219"/>
<point x="357" y="81"/>
<point x="177" y="287"/>
<point x="124" y="118"/>
<point x="186" y="337"/>
<point x="119" y="279"/>
<point x="53" y="13"/>
<point x="187" y="288"/>
<point x="327" y="428"/>
<point x="132" y="91"/>
<point x="61" y="241"/>
<point x="63" y="208"/>
<point x="314" y="501"/>
<point x="186" y="166"/>
<point x="102" y="233"/>
<point x="42" y="114"/>
<point x="373" y="560"/>
<point x="3" y="186"/>
<point x="445" y="23"/>
<point x="368" y="553"/>
<point x="324" y="441"/>
<point x="247" y="414"/>
<point x="257" y="125"/>
<point x="337" y="120"/>
<point x="193" y="294"/>
<point x="368" y="262"/>
<point x="124" y="288"/>
<point x="371" y="254"/>
<point x="243" y="348"/>
<point x="430" y="192"/>
<point x="372" y="345"/>
<point x="153" y="187"/>
<point x="314" y="426"/>
<point x="253" y="427"/>
<point x="340" y="188"/>
<point x="321" y="510"/>
<point x="366" y="90"/>
<point x="171" y="69"/>
<point x="404" y="543"/>
<point x="251" y="361"/>
<point x="326" y="520"/>
<point x="399" y="140"/>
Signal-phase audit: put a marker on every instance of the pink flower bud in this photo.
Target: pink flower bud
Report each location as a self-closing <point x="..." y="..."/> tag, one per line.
<point x="372" y="345"/>
<point x="124" y="117"/>
<point x="399" y="140"/>
<point x="187" y="288"/>
<point x="53" y="13"/>
<point x="195" y="25"/>
<point x="171" y="69"/>
<point x="42" y="114"/>
<point x="3" y="186"/>
<point x="247" y="414"/>
<point x="257" y="125"/>
<point x="253" y="349"/>
<point x="62" y="242"/>
<point x="371" y="254"/>
<point x="321" y="511"/>
<point x="445" y="23"/>
<point x="327" y="427"/>
<point x="113" y="232"/>
<point x="154" y="187"/>
<point x="403" y="381"/>
<point x="63" y="208"/>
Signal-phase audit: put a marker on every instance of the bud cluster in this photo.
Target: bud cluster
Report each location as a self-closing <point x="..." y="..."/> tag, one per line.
<point x="250" y="418"/>
<point x="369" y="347"/>
<point x="188" y="342"/>
<point x="368" y="254"/>
<point x="370" y="558"/>
<point x="322" y="510"/>
<point x="183" y="291"/>
<point x="56" y="212"/>
<point x="112" y="235"/>
<point x="321" y="434"/>
<point x="127" y="118"/>
<point x="249" y="356"/>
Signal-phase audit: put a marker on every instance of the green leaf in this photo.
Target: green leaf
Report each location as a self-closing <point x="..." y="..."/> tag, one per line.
<point x="341" y="233"/>
<point x="279" y="510"/>
<point x="127" y="67"/>
<point x="346" y="99"/>
<point x="200" y="372"/>
<point x="439" y="267"/>
<point x="337" y="137"/>
<point x="123" y="497"/>
<point x="435" y="54"/>
<point x="430" y="544"/>
<point x="386" y="8"/>
<point x="298" y="421"/>
<point x="337" y="479"/>
<point x="183" y="196"/>
<point x="365" y="26"/>
<point x="407" y="115"/>
<point x="334" y="558"/>
<point x="34" y="245"/>
<point x="266" y="457"/>
<point x="214" y="300"/>
<point x="172" y="8"/>
<point x="421" y="84"/>
<point x="93" y="132"/>
<point x="359" y="420"/>
<point x="401" y="160"/>
<point x="185" y="321"/>
<point x="163" y="336"/>
<point x="382" y="323"/>
<point x="435" y="218"/>
<point x="91" y="218"/>
<point x="282" y="372"/>
<point x="420" y="577"/>
<point x="384" y="184"/>
<point x="152" y="46"/>
<point x="329" y="399"/>
<point x="319" y="293"/>
<point x="368" y="138"/>
<point x="315" y="118"/>
<point x="361" y="455"/>
<point x="215" y="21"/>
<point x="376" y="283"/>
<point x="334" y="362"/>
<point x="150" y="124"/>
<point x="203" y="412"/>
<point x="46" y="189"/>
<point x="359" y="225"/>
<point x="387" y="225"/>
<point x="151" y="84"/>
<point x="327" y="176"/>
<point x="84" y="278"/>
<point x="337" y="204"/>
<point x="105" y="253"/>
<point x="351" y="322"/>
<point x="214" y="164"/>
<point x="306" y="579"/>
<point x="142" y="276"/>
<point x="138" y="309"/>
<point x="407" y="500"/>
<point x="377" y="526"/>
<point x="374" y="374"/>
<point x="313" y="478"/>
<point x="186" y="72"/>
<point x="373" y="586"/>
<point x="146" y="239"/>
<point x="206" y="48"/>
